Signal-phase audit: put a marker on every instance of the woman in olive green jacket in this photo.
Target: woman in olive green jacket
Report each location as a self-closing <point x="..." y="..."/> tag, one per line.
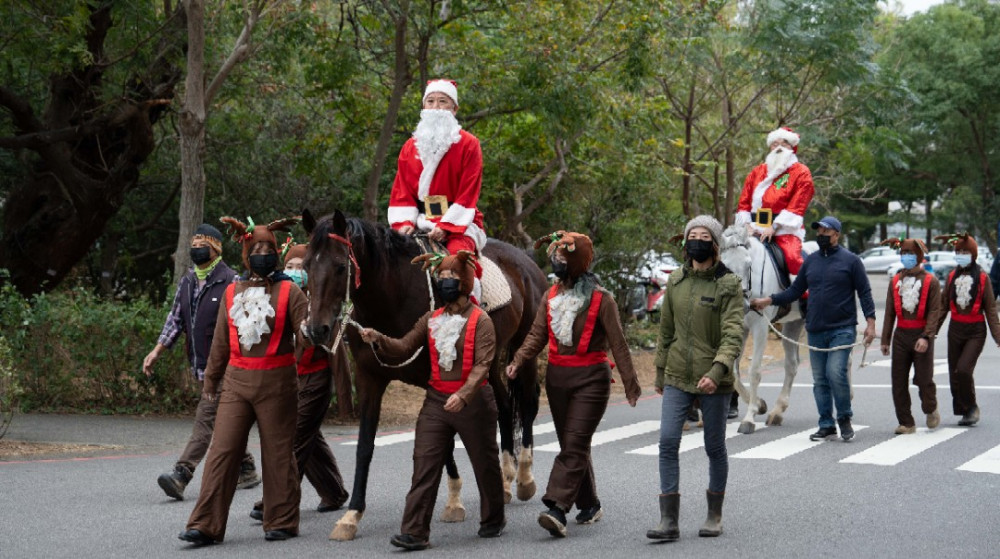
<point x="701" y="335"/>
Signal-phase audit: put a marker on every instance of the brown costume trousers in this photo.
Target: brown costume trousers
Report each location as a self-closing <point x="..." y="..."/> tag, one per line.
<point x="578" y="397"/>
<point x="476" y="424"/>
<point x="201" y="435"/>
<point x="965" y="343"/>
<point x="903" y="357"/>
<point x="270" y="398"/>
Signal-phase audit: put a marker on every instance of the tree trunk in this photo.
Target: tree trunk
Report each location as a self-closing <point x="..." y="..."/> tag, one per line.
<point x="401" y="80"/>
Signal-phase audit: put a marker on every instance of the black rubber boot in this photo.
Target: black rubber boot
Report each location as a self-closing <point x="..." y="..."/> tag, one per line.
<point x="713" y="524"/>
<point x="734" y="406"/>
<point x="667" y="531"/>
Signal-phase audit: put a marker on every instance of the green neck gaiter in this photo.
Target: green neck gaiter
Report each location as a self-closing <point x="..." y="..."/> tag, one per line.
<point x="202" y="273"/>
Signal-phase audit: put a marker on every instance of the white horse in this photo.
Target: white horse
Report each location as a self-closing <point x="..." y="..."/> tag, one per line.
<point x="746" y="256"/>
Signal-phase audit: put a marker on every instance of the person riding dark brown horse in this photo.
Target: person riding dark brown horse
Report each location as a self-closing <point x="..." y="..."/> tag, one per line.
<point x="362" y="269"/>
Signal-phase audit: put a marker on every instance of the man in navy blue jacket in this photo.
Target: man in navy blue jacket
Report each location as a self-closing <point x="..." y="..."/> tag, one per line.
<point x="832" y="276"/>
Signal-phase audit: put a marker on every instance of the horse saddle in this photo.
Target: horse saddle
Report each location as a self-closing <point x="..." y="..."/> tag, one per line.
<point x="784" y="278"/>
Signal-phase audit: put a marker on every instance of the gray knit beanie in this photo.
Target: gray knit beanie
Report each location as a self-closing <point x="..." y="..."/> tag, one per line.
<point x="708" y="222"/>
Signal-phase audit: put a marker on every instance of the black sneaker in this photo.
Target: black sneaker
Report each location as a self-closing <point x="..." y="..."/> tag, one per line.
<point x="846" y="431"/>
<point x="553" y="520"/>
<point x="408" y="542"/>
<point x="734" y="406"/>
<point x="196" y="537"/>
<point x="493" y="531"/>
<point x="257" y="512"/>
<point x="970" y="418"/>
<point x="823" y="433"/>
<point x="279" y="535"/>
<point x="590" y="515"/>
<point x="174" y="483"/>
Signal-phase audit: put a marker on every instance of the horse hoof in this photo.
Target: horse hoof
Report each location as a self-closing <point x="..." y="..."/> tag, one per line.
<point x="347" y="527"/>
<point x="453" y="514"/>
<point x="761" y="406"/>
<point x="746" y="428"/>
<point x="686" y="427"/>
<point x="507" y="496"/>
<point x="774" y="420"/>
<point x="700" y="424"/>
<point x="507" y="466"/>
<point x="526" y="491"/>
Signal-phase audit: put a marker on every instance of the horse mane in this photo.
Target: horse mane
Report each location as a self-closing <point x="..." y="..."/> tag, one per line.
<point x="734" y="236"/>
<point x="379" y="244"/>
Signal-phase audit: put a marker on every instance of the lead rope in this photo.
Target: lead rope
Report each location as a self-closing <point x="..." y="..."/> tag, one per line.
<point x="864" y="354"/>
<point x="347" y="309"/>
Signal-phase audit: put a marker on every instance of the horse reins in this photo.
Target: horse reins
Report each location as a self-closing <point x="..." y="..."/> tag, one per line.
<point x="347" y="307"/>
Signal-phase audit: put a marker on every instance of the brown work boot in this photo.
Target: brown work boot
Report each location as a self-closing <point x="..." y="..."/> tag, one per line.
<point x="933" y="419"/>
<point x="174" y="483"/>
<point x="907" y="429"/>
<point x="248" y="474"/>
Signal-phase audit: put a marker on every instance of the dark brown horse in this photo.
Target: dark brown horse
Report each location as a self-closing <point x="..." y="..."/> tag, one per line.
<point x="371" y="263"/>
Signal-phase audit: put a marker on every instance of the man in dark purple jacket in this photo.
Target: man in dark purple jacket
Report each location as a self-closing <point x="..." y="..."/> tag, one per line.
<point x="194" y="313"/>
<point x="832" y="275"/>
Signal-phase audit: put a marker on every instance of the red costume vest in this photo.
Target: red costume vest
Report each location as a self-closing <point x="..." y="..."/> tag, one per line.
<point x="468" y="354"/>
<point x="271" y="359"/>
<point x="975" y="315"/>
<point x="311" y="361"/>
<point x="582" y="358"/>
<point x="921" y="320"/>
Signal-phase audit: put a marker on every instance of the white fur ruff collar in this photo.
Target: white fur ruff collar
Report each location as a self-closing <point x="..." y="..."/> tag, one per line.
<point x="773" y="172"/>
<point x="963" y="291"/>
<point x="436" y="132"/>
<point x="445" y="330"/>
<point x="563" y="309"/>
<point x="250" y="312"/>
<point x="909" y="292"/>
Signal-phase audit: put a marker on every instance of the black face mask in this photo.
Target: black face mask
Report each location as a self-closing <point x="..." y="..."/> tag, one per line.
<point x="699" y="250"/>
<point x="263" y="264"/>
<point x="560" y="269"/>
<point x="823" y="241"/>
<point x="200" y="255"/>
<point x="450" y="290"/>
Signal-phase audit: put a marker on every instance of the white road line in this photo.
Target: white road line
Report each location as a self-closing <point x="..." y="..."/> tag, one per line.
<point x="987" y="462"/>
<point x="809" y="385"/>
<point x="785" y="447"/>
<point x="386" y="440"/>
<point x="611" y="435"/>
<point x="692" y="440"/>
<point x="537" y="430"/>
<point x="901" y="447"/>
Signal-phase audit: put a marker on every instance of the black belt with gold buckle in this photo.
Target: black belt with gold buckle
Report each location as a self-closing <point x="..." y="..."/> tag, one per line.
<point x="763" y="217"/>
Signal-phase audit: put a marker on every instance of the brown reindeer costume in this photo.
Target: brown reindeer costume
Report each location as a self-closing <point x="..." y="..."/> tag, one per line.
<point x="913" y="307"/>
<point x="253" y="358"/>
<point x="969" y="297"/>
<point x="461" y="341"/>
<point x="578" y="323"/>
<point x="313" y="456"/>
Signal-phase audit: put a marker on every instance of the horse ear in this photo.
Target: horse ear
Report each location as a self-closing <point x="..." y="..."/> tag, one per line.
<point x="308" y="221"/>
<point x="237" y="229"/>
<point x="339" y="222"/>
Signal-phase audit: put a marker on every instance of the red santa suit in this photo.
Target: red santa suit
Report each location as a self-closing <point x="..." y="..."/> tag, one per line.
<point x="458" y="177"/>
<point x="787" y="195"/>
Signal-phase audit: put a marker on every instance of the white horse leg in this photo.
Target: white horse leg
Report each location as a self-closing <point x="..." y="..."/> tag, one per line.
<point x="525" y="480"/>
<point x="792" y="330"/>
<point x="509" y="470"/>
<point x="453" y="509"/>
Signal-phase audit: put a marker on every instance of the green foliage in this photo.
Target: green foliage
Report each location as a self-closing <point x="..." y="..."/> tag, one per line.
<point x="71" y="350"/>
<point x="10" y="388"/>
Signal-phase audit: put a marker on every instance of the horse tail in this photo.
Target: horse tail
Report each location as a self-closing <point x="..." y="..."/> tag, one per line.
<point x="515" y="388"/>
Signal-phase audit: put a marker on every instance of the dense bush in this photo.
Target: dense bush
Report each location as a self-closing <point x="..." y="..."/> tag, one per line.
<point x="71" y="350"/>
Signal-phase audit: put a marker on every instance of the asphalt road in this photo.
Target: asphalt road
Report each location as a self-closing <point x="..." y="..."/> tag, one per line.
<point x="924" y="495"/>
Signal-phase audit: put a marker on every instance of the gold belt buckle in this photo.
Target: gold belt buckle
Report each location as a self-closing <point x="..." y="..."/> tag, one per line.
<point x="764" y="217"/>
<point x="435" y="206"/>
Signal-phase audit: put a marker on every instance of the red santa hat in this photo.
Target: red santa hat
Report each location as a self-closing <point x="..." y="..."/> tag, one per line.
<point x="448" y="87"/>
<point x="784" y="133"/>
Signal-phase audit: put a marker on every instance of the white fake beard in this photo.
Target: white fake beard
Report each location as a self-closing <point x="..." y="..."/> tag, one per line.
<point x="436" y="132"/>
<point x="963" y="291"/>
<point x="909" y="292"/>
<point x="445" y="330"/>
<point x="563" y="309"/>
<point x="779" y="160"/>
<point x="250" y="311"/>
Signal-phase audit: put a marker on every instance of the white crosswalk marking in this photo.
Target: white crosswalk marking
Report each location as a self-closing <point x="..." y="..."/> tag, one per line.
<point x="386" y="440"/>
<point x="987" y="462"/>
<point x="537" y="430"/>
<point x="785" y="447"/>
<point x="901" y="447"/>
<point x="610" y="435"/>
<point x="692" y="440"/>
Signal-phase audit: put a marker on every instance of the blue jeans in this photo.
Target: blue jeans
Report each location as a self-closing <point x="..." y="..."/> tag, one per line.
<point x="714" y="409"/>
<point x="830" y="382"/>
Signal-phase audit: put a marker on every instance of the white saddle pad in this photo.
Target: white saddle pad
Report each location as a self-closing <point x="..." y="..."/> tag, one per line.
<point x="496" y="290"/>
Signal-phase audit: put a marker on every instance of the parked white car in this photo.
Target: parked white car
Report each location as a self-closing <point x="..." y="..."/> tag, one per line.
<point x="878" y="259"/>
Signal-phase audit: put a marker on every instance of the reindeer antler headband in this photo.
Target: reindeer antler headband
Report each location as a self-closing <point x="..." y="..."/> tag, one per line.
<point x="556" y="239"/>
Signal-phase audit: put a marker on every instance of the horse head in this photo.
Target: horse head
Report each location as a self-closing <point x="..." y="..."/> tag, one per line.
<point x="330" y="265"/>
<point x="734" y="251"/>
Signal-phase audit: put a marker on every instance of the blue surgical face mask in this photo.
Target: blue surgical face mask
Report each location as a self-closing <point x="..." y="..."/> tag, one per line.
<point x="908" y="260"/>
<point x="963" y="259"/>
<point x="300" y="277"/>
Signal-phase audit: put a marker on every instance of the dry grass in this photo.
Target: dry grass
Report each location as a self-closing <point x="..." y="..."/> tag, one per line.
<point x="18" y="449"/>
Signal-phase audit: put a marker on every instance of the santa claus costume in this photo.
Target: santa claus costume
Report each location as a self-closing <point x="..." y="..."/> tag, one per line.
<point x="969" y="297"/>
<point x="438" y="178"/>
<point x="777" y="194"/>
<point x="461" y="341"/>
<point x="913" y="309"/>
<point x="579" y="322"/>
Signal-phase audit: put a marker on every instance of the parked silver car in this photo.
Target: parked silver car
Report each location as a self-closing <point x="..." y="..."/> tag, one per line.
<point x="878" y="259"/>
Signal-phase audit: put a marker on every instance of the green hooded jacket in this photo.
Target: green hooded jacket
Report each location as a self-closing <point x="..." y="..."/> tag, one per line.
<point x="701" y="325"/>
